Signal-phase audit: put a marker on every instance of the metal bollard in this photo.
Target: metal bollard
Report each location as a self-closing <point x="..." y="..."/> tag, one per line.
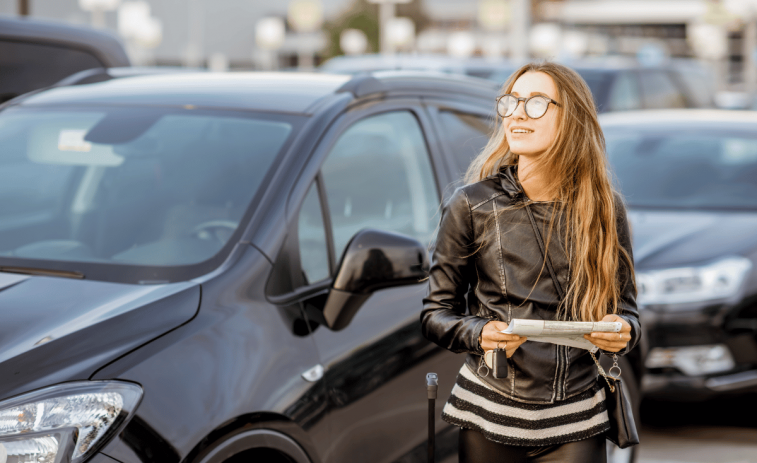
<point x="431" y="387"/>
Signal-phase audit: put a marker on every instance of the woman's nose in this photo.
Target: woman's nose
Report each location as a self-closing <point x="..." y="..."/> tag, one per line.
<point x="520" y="111"/>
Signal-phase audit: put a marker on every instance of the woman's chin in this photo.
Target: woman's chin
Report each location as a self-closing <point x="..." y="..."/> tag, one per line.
<point x="525" y="151"/>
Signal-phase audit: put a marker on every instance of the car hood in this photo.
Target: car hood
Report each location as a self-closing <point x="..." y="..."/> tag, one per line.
<point x="664" y="239"/>
<point x="58" y="329"/>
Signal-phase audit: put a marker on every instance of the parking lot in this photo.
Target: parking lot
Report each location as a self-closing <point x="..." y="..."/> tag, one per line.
<point x="723" y="430"/>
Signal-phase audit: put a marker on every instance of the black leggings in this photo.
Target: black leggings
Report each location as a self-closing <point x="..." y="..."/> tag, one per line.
<point x="475" y="448"/>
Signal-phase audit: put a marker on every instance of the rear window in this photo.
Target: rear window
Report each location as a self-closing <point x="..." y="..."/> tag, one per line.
<point x="26" y="66"/>
<point x="691" y="169"/>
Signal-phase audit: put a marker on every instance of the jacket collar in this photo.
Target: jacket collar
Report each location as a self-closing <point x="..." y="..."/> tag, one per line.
<point x="508" y="177"/>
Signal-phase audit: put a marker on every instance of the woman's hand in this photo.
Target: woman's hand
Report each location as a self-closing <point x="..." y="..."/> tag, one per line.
<point x="611" y="342"/>
<point x="490" y="337"/>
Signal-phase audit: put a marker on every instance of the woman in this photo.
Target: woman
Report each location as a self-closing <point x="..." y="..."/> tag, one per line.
<point x="546" y="159"/>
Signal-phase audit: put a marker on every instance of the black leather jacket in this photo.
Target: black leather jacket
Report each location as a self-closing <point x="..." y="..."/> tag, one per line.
<point x="498" y="278"/>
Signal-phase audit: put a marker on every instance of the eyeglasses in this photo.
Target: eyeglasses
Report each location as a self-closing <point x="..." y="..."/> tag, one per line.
<point x="536" y="106"/>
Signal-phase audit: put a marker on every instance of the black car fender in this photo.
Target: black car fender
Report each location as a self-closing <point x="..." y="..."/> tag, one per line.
<point x="254" y="439"/>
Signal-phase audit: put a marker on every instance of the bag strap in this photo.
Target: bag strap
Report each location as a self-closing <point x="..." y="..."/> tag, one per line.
<point x="560" y="292"/>
<point x="548" y="261"/>
<point x="602" y="370"/>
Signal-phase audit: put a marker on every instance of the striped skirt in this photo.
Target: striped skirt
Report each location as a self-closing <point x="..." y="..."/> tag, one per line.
<point x="475" y="405"/>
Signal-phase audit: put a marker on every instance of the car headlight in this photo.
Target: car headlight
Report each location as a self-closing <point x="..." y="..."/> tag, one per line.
<point x="719" y="280"/>
<point x="692" y="360"/>
<point x="64" y="423"/>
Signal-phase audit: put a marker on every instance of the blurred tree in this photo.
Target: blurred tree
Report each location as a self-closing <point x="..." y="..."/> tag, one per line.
<point x="365" y="17"/>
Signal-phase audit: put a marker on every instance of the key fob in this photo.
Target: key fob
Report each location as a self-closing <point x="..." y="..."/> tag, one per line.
<point x="499" y="363"/>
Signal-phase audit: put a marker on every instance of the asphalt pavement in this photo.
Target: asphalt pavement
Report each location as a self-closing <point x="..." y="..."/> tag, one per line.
<point x="722" y="430"/>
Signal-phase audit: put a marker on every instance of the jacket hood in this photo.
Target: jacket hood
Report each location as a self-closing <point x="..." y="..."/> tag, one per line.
<point x="664" y="239"/>
<point x="58" y="329"/>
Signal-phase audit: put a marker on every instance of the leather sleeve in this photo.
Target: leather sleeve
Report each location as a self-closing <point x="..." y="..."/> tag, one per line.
<point x="627" y="305"/>
<point x="443" y="319"/>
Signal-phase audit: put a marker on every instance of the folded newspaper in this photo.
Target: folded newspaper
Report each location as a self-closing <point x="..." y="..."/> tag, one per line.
<point x="562" y="333"/>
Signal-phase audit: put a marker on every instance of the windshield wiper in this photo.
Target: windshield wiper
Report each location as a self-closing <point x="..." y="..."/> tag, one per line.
<point x="43" y="271"/>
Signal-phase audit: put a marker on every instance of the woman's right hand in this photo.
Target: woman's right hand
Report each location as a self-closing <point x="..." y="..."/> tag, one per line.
<point x="491" y="336"/>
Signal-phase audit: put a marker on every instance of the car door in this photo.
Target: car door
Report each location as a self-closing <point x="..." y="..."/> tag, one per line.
<point x="376" y="173"/>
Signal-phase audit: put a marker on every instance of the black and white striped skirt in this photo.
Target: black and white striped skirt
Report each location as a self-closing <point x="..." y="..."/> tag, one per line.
<point x="475" y="405"/>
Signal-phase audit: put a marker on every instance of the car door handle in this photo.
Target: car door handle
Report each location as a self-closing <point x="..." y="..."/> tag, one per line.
<point x="314" y="374"/>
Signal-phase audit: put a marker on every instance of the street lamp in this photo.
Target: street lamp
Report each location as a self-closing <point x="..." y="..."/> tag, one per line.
<point x="269" y="36"/>
<point x="520" y="24"/>
<point x="139" y="29"/>
<point x="494" y="16"/>
<point x="400" y="33"/>
<point x="305" y="17"/>
<point x="545" y="39"/>
<point x="461" y="44"/>
<point x="353" y="41"/>
<point x="98" y="9"/>
<point x="386" y="15"/>
<point x="137" y="25"/>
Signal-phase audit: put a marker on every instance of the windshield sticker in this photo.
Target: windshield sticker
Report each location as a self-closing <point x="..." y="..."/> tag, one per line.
<point x="73" y="140"/>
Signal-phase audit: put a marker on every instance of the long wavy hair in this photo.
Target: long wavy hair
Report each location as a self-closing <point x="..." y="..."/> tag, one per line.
<point x="577" y="175"/>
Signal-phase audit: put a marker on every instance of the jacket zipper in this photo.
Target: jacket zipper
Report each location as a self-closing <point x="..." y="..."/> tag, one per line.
<point x="561" y="353"/>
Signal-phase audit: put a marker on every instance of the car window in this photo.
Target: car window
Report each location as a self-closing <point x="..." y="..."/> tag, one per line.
<point x="28" y="66"/>
<point x="465" y="135"/>
<point x="378" y="175"/>
<point x="624" y="95"/>
<point x="685" y="169"/>
<point x="699" y="86"/>
<point x="599" y="82"/>
<point x="311" y="232"/>
<point x="659" y="91"/>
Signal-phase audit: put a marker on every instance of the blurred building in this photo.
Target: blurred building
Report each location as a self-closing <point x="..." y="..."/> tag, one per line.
<point x="194" y="32"/>
<point x="226" y="34"/>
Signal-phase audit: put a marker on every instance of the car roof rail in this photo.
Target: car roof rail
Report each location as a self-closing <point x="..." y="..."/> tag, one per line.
<point x="87" y="76"/>
<point x="362" y="85"/>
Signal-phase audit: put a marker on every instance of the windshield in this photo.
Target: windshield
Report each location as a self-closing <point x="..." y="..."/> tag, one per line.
<point x="147" y="187"/>
<point x="690" y="168"/>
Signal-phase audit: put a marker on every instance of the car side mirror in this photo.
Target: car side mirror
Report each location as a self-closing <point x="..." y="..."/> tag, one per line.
<point x="373" y="259"/>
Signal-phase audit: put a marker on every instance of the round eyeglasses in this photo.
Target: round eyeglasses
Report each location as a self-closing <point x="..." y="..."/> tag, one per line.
<point x="536" y="106"/>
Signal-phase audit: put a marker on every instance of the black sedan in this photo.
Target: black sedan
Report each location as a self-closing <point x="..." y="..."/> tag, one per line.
<point x="690" y="179"/>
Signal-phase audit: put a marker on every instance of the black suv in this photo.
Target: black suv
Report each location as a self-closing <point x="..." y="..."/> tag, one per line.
<point x="36" y="53"/>
<point x="225" y="267"/>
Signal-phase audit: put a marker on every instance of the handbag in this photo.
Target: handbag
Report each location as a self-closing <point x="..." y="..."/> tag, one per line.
<point x="622" y="431"/>
<point x="622" y="425"/>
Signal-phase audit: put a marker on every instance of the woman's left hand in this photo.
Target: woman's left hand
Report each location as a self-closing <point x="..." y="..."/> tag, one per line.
<point x="611" y="342"/>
